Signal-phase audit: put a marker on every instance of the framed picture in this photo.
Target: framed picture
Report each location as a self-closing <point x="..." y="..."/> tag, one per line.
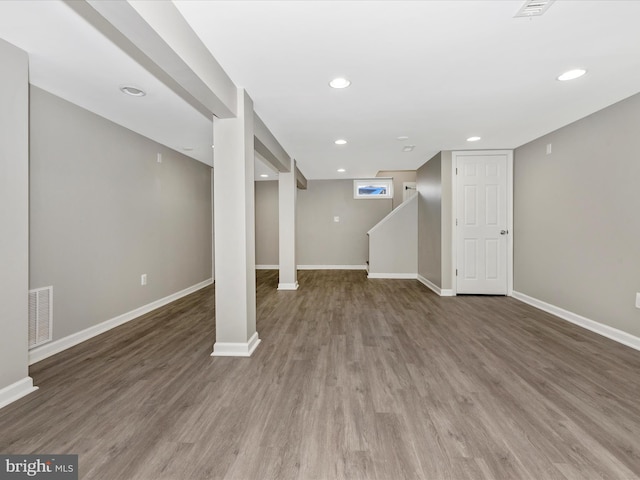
<point x="373" y="188"/>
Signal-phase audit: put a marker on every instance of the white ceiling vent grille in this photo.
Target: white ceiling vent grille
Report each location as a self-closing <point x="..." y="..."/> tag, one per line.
<point x="534" y="8"/>
<point x="40" y="316"/>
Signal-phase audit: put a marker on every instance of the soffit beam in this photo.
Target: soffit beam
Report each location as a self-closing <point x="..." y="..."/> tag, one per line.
<point x="158" y="37"/>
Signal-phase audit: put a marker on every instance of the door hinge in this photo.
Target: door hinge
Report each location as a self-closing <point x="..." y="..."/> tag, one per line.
<point x="456" y="272"/>
<point x="456" y="170"/>
<point x="456" y="222"/>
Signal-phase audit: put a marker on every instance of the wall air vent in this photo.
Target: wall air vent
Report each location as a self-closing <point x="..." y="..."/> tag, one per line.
<point x="40" y="316"/>
<point x="534" y="8"/>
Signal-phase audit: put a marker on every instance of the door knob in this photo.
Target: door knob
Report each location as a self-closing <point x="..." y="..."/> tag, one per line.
<point x="504" y="232"/>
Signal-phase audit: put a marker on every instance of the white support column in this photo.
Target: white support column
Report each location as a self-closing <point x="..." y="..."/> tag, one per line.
<point x="234" y="205"/>
<point x="287" y="193"/>
<point x="15" y="381"/>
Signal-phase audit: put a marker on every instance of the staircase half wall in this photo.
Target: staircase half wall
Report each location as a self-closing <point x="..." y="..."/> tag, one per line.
<point x="393" y="243"/>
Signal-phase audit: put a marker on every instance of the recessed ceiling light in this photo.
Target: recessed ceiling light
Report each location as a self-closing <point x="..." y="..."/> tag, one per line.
<point x="572" y="74"/>
<point x="340" y="141"/>
<point x="403" y="137"/>
<point x="341" y="170"/>
<point x="264" y="175"/>
<point x="213" y="146"/>
<point x="133" y="91"/>
<point x="408" y="148"/>
<point x="339" y="83"/>
<point x="473" y="139"/>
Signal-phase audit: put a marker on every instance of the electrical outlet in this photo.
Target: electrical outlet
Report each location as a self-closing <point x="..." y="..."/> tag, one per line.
<point x="637" y="300"/>
<point x="143" y="279"/>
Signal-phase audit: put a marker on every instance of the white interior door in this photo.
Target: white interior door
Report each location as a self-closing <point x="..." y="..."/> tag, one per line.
<point x="482" y="224"/>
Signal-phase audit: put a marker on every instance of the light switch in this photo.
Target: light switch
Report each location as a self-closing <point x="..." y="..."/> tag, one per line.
<point x="548" y="148"/>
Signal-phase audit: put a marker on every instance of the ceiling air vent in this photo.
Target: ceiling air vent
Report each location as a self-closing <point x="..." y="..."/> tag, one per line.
<point x="534" y="8"/>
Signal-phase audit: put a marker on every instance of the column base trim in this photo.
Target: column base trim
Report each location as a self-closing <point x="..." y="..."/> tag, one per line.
<point x="16" y="391"/>
<point x="229" y="349"/>
<point x="288" y="286"/>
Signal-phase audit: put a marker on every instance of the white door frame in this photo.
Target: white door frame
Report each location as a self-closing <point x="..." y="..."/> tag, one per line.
<point x="454" y="211"/>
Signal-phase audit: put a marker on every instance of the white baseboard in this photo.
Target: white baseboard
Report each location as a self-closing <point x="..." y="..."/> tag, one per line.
<point x="428" y="283"/>
<point x="288" y="286"/>
<point x="597" y="327"/>
<point x="226" y="349"/>
<point x="57" y="346"/>
<point x="16" y="390"/>
<point x="443" y="292"/>
<point x="409" y="276"/>
<point x="332" y="267"/>
<point x="315" y="267"/>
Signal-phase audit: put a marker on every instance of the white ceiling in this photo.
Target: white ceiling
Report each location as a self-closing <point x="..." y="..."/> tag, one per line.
<point x="71" y="59"/>
<point x="262" y="167"/>
<point x="435" y="71"/>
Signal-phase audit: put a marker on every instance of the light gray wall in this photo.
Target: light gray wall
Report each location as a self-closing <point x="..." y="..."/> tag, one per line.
<point x="14" y="213"/>
<point x="103" y="212"/>
<point x="399" y="177"/>
<point x="320" y="240"/>
<point x="267" y="218"/>
<point x="393" y="242"/>
<point x="435" y="219"/>
<point x="576" y="222"/>
<point x="429" y="184"/>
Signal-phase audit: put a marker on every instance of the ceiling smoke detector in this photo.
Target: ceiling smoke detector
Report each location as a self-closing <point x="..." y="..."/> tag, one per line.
<point x="534" y="8"/>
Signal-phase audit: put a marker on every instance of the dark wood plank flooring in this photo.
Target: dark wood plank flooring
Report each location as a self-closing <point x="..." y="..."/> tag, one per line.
<point x="354" y="379"/>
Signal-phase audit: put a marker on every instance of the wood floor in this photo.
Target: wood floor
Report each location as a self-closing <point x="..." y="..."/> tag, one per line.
<point x="354" y="379"/>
